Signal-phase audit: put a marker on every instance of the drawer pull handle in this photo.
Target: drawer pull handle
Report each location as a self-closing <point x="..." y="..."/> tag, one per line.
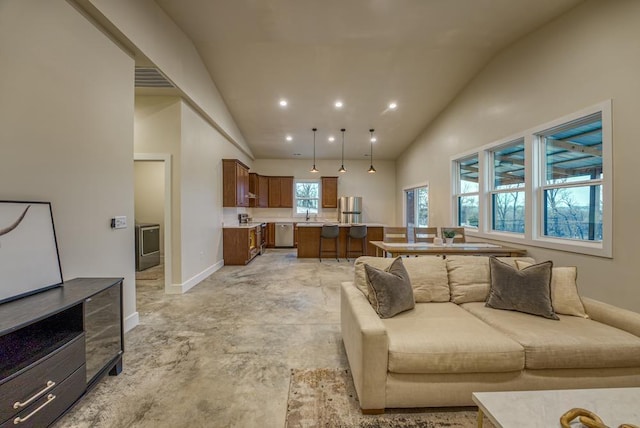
<point x="18" y="420"/>
<point x="50" y="384"/>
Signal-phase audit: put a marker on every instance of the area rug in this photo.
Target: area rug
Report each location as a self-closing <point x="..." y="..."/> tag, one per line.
<point x="327" y="398"/>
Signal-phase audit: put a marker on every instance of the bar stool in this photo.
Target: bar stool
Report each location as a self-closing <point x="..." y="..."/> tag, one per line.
<point x="329" y="231"/>
<point x="357" y="232"/>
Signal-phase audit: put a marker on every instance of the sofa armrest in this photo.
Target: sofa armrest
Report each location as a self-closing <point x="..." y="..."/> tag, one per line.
<point x="365" y="340"/>
<point x="614" y="316"/>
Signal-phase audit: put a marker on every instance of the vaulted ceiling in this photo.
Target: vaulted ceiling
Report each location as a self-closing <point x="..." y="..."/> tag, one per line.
<point x="418" y="54"/>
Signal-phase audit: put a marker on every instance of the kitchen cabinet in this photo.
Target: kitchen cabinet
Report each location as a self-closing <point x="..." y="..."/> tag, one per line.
<point x="308" y="240"/>
<point x="280" y="192"/>
<point x="235" y="183"/>
<point x="259" y="186"/>
<point x="271" y="235"/>
<point x="329" y="192"/>
<point x="240" y="244"/>
<point x="51" y="339"/>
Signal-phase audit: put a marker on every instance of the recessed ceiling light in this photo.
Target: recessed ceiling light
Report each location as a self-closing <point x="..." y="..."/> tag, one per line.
<point x="338" y="104"/>
<point x="289" y="137"/>
<point x="283" y="103"/>
<point x="331" y="139"/>
<point x="393" y="106"/>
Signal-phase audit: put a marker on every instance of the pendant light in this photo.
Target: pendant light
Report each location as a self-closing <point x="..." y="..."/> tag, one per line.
<point x="314" y="150"/>
<point x="371" y="170"/>
<point x="342" y="169"/>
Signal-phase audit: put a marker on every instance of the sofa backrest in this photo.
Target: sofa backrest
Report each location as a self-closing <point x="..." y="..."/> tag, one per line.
<point x="428" y="276"/>
<point x="469" y="277"/>
<point x="459" y="279"/>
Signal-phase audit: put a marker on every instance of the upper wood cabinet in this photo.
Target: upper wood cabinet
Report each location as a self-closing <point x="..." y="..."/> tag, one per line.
<point x="235" y="183"/>
<point x="329" y="192"/>
<point x="280" y="192"/>
<point x="259" y="186"/>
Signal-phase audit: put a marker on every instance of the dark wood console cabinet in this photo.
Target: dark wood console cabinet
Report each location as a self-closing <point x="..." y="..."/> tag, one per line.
<point x="55" y="345"/>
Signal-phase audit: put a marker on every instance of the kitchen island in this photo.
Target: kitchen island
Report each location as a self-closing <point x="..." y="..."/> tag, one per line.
<point x="309" y="240"/>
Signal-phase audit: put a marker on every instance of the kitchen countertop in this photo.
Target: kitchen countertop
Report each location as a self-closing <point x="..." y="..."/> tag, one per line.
<point x="244" y="225"/>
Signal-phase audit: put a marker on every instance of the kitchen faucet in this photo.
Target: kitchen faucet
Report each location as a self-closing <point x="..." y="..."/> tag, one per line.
<point x="307" y="215"/>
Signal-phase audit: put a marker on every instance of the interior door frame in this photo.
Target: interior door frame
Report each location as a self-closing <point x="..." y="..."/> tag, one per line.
<point x="168" y="256"/>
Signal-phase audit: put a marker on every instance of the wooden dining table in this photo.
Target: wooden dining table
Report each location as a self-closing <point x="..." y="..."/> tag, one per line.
<point x="423" y="248"/>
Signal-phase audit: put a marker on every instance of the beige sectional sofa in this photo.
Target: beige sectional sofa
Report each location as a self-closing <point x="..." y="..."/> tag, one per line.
<point x="451" y="345"/>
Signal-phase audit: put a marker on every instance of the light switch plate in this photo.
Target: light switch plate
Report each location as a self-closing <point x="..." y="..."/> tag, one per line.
<point x="119" y="222"/>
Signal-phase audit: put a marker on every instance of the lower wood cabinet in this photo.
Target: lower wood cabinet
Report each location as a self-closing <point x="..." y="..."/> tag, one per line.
<point x="47" y="341"/>
<point x="240" y="244"/>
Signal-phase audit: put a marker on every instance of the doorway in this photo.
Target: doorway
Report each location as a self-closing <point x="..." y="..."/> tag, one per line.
<point x="416" y="207"/>
<point x="152" y="201"/>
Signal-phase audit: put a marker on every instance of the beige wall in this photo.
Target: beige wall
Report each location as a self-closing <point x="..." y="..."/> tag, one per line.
<point x="202" y="151"/>
<point x="587" y="56"/>
<point x="149" y="194"/>
<point x="66" y="134"/>
<point x="149" y="28"/>
<point x="377" y="190"/>
<point x="168" y="125"/>
<point x="157" y="130"/>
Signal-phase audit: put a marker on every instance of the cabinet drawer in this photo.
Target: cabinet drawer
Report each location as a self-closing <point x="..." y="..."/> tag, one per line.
<point x="29" y="382"/>
<point x="43" y="411"/>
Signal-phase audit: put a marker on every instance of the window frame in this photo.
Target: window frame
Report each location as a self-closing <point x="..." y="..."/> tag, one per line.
<point x="492" y="191"/>
<point x="295" y="214"/>
<point x="535" y="182"/>
<point x="458" y="194"/>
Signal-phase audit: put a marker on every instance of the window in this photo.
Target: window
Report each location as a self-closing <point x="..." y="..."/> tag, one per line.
<point x="468" y="187"/>
<point x="307" y="197"/>
<point x="417" y="206"/>
<point x="572" y="184"/>
<point x="507" y="187"/>
<point x="549" y="186"/>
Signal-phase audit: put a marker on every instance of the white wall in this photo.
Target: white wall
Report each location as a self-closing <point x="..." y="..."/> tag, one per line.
<point x="149" y="194"/>
<point x="588" y="55"/>
<point x="377" y="190"/>
<point x="66" y="134"/>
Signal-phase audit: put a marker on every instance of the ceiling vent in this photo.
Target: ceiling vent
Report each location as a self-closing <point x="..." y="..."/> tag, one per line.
<point x="151" y="77"/>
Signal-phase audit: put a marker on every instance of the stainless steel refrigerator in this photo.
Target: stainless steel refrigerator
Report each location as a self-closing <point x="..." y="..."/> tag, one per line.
<point x="350" y="209"/>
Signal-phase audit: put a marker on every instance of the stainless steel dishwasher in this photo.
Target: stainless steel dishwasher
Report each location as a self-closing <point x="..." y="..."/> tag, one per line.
<point x="284" y="234"/>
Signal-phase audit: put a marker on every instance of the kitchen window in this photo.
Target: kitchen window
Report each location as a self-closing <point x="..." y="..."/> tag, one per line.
<point x="307" y="198"/>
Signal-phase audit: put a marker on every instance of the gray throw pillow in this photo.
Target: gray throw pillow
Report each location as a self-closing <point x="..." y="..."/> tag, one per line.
<point x="527" y="290"/>
<point x="390" y="290"/>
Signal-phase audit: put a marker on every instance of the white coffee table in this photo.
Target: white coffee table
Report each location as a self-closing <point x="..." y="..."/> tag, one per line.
<point x="536" y="409"/>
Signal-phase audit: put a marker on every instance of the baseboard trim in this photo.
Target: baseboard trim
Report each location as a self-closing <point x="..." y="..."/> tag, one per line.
<point x="195" y="280"/>
<point x="131" y="321"/>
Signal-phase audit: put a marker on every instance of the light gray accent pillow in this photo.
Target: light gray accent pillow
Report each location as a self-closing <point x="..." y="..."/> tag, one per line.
<point x="390" y="290"/>
<point x="527" y="290"/>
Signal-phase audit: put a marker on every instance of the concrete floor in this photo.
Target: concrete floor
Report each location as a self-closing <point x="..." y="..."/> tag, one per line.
<point x="220" y="355"/>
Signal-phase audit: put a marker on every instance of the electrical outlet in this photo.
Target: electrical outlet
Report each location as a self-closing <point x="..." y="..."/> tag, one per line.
<point x="119" y="222"/>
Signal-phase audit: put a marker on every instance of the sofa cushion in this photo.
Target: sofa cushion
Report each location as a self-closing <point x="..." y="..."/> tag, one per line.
<point x="390" y="290"/>
<point x="444" y="338"/>
<point x="572" y="342"/>
<point x="564" y="290"/>
<point x="526" y="290"/>
<point x="469" y="278"/>
<point x="428" y="276"/>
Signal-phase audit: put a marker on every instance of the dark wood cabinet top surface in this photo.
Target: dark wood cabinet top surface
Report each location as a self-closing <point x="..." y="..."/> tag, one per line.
<point x="26" y="310"/>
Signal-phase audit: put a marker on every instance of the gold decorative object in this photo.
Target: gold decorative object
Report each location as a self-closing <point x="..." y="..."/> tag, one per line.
<point x="586" y="418"/>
